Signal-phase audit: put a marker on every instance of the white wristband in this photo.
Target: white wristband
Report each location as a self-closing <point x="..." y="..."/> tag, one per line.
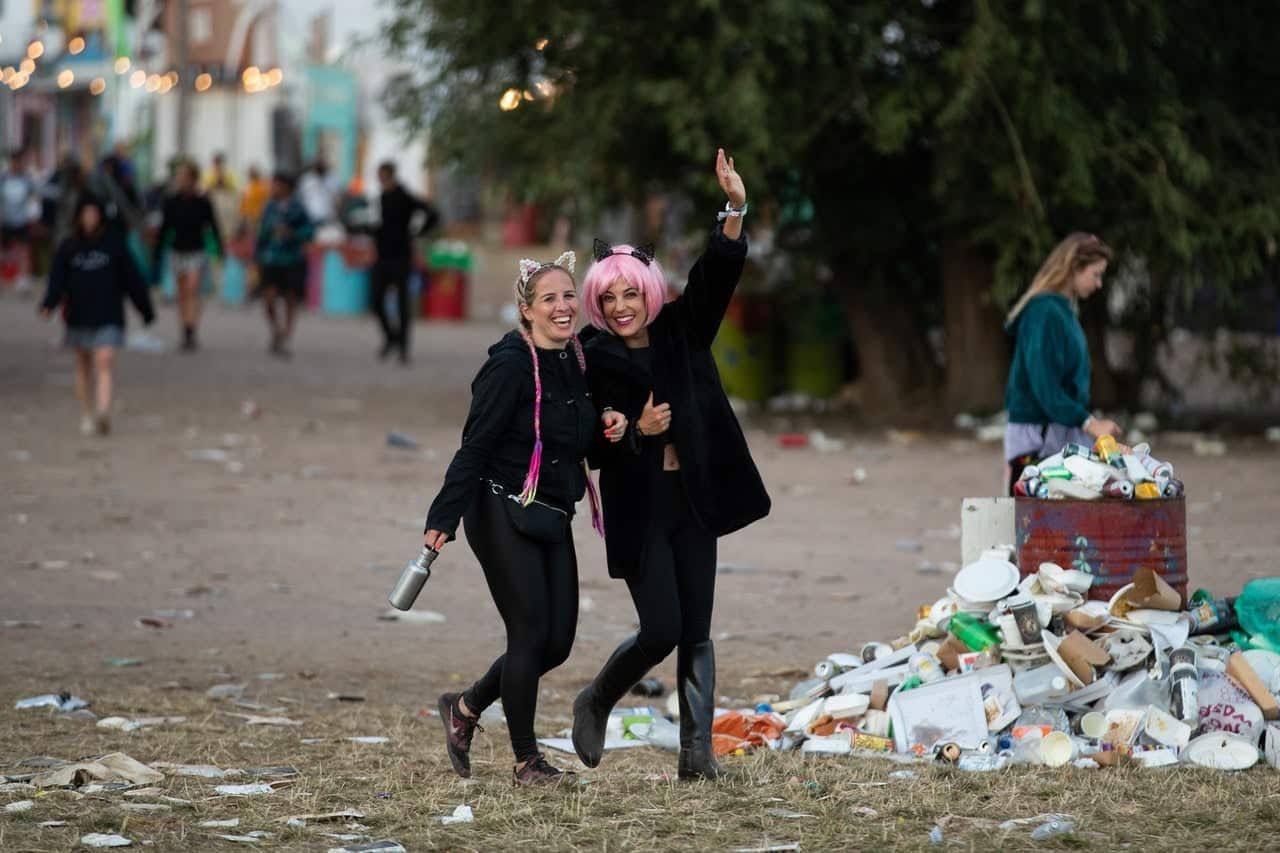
<point x="731" y="211"/>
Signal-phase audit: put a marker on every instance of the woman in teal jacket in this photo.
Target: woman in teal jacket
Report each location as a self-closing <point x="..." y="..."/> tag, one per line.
<point x="1047" y="396"/>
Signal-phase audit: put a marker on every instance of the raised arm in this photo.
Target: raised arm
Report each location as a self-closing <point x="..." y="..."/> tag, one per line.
<point x="715" y="274"/>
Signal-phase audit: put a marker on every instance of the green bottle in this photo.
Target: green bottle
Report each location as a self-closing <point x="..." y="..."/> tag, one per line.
<point x="973" y="632"/>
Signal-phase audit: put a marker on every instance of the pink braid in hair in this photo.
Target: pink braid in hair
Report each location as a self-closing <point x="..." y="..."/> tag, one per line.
<point x="535" y="461"/>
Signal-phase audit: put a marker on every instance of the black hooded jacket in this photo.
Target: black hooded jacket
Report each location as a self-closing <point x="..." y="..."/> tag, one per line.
<point x="724" y="488"/>
<point x="94" y="275"/>
<point x="497" y="439"/>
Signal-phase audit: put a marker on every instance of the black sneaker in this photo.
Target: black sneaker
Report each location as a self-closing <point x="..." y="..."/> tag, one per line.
<point x="536" y="772"/>
<point x="458" y="731"/>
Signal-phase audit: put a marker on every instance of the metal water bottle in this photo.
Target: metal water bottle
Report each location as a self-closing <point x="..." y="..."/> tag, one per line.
<point x="415" y="574"/>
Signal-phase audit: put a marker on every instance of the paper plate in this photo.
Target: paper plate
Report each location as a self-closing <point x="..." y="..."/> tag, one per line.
<point x="964" y="605"/>
<point x="1119" y="604"/>
<point x="987" y="579"/>
<point x="1221" y="751"/>
<point x="1051" y="642"/>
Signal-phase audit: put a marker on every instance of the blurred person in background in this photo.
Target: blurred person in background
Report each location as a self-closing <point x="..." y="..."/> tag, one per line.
<point x="93" y="273"/>
<point x="19" y="208"/>
<point x="403" y="216"/>
<point x="318" y="194"/>
<point x="1047" y="393"/>
<point x="257" y="192"/>
<point x="188" y="230"/>
<point x="282" y="261"/>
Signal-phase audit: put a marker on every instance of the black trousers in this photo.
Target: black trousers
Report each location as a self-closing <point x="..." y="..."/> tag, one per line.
<point x="390" y="273"/>
<point x="535" y="586"/>
<point x="676" y="591"/>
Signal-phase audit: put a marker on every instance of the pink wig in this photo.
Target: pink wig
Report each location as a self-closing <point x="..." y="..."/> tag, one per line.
<point x="647" y="278"/>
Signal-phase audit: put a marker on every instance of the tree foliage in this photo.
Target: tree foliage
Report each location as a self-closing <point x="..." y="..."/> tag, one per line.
<point x="995" y="126"/>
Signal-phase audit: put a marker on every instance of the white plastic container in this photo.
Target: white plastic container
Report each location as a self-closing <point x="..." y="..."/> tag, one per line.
<point x="1039" y="685"/>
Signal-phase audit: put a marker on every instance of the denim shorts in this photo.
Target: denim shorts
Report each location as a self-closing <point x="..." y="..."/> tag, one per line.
<point x="187" y="262"/>
<point x="94" y="337"/>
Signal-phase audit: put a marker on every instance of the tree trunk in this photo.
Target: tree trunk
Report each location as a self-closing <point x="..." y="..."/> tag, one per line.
<point x="1104" y="385"/>
<point x="976" y="345"/>
<point x="897" y="377"/>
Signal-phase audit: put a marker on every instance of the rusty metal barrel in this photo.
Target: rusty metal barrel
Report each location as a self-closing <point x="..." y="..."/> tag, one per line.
<point x="1109" y="539"/>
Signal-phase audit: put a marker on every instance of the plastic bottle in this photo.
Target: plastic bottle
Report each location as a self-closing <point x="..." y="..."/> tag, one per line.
<point x="1055" y="827"/>
<point x="974" y="633"/>
<point x="1037" y="686"/>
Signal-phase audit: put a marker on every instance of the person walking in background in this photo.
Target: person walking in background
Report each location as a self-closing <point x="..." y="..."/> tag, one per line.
<point x="187" y="220"/>
<point x="282" y="261"/>
<point x="394" y="246"/>
<point x="257" y="192"/>
<point x="690" y="479"/>
<point x="93" y="272"/>
<point x="19" y="206"/>
<point x="1047" y="394"/>
<point x="531" y="422"/>
<point x="318" y="194"/>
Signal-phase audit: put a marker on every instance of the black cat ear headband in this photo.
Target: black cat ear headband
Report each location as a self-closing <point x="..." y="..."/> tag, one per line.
<point x="601" y="250"/>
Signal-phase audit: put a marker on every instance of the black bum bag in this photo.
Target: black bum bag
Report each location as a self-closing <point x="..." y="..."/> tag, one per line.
<point x="539" y="521"/>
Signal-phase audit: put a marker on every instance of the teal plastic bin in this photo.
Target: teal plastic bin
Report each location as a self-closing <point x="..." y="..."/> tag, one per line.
<point x="235" y="276"/>
<point x="346" y="290"/>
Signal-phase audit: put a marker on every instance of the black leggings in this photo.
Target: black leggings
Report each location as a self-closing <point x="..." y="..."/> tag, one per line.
<point x="390" y="273"/>
<point x="535" y="586"/>
<point x="675" y="592"/>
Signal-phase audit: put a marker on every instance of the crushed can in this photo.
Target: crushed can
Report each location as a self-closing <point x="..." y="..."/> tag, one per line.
<point x="1173" y="488"/>
<point x="1213" y="617"/>
<point x="1147" y="491"/>
<point x="1073" y="449"/>
<point x="1108" y="450"/>
<point x="1122" y="489"/>
<point x="872" y="743"/>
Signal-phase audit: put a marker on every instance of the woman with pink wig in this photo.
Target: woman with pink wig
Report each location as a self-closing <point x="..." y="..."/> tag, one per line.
<point x="514" y="483"/>
<point x="682" y="477"/>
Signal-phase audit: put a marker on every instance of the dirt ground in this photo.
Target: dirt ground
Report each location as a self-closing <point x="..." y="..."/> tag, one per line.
<point x="283" y="549"/>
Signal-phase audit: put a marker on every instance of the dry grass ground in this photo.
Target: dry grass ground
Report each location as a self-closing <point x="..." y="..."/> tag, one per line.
<point x="631" y="803"/>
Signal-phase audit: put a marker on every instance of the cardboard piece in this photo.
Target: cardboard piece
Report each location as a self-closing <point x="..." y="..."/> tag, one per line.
<point x="949" y="653"/>
<point x="1151" y="592"/>
<point x="1240" y="671"/>
<point x="879" y="695"/>
<point x="1082" y="655"/>
<point x="1082" y="621"/>
<point x="115" y="767"/>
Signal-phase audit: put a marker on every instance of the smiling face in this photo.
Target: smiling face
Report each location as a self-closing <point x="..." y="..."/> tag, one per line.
<point x="552" y="313"/>
<point x="623" y="307"/>
<point x="1088" y="280"/>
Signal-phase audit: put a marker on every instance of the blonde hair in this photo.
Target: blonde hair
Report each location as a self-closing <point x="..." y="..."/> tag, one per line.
<point x="1076" y="251"/>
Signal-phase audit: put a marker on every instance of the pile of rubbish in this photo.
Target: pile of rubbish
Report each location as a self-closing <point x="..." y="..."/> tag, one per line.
<point x="1105" y="471"/>
<point x="1008" y="670"/>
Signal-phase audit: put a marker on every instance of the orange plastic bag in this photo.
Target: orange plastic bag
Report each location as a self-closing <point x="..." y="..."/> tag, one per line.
<point x="737" y="730"/>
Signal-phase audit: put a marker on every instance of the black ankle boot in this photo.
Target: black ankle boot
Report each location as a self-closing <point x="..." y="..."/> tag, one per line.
<point x="625" y="667"/>
<point x="696" y="686"/>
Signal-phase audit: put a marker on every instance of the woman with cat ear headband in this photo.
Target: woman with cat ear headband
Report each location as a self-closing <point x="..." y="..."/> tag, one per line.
<point x="514" y="483"/>
<point x="688" y="480"/>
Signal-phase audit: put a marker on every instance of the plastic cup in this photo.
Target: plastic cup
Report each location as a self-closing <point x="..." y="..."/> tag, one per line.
<point x="1056" y="749"/>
